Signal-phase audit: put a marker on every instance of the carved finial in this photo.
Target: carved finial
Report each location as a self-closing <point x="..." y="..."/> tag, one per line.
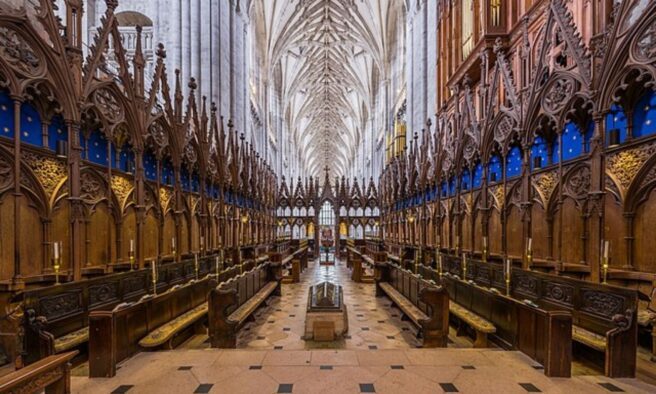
<point x="192" y="83"/>
<point x="161" y="52"/>
<point x="213" y="108"/>
<point x="498" y="45"/>
<point x="111" y="4"/>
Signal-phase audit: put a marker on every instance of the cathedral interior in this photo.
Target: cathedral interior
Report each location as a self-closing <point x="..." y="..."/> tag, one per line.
<point x="327" y="196"/>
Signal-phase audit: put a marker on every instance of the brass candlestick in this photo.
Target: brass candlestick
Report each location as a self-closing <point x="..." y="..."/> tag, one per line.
<point x="196" y="265"/>
<point x="131" y="257"/>
<point x="56" y="265"/>
<point x="529" y="259"/>
<point x="155" y="275"/>
<point x="604" y="270"/>
<point x="508" y="286"/>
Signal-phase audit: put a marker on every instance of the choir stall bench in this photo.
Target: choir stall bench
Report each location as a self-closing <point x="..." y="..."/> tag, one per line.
<point x="232" y="303"/>
<point x="422" y="302"/>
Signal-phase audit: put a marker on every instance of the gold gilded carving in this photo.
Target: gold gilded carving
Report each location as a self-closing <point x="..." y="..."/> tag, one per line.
<point x="164" y="197"/>
<point x="499" y="196"/>
<point x="546" y="183"/>
<point x="625" y="165"/>
<point x="49" y="172"/>
<point x="121" y="187"/>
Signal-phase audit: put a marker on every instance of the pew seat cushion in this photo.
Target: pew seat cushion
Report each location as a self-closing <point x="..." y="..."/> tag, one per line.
<point x="476" y="322"/>
<point x="72" y="340"/>
<point x="589" y="338"/>
<point x="167" y="331"/>
<point x="415" y="314"/>
<point x="247" y="308"/>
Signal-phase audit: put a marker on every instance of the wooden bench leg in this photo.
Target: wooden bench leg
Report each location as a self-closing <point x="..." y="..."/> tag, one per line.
<point x="653" y="343"/>
<point x="461" y="331"/>
<point x="481" y="340"/>
<point x="63" y="384"/>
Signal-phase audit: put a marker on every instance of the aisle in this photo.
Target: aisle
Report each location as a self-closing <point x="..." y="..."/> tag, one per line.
<point x="373" y="324"/>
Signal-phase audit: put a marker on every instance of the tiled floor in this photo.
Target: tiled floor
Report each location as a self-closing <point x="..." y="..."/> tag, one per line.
<point x="378" y="355"/>
<point x="372" y="321"/>
<point x="342" y="371"/>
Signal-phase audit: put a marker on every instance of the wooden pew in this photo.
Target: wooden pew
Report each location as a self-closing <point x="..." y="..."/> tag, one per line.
<point x="164" y="320"/>
<point x="603" y="316"/>
<point x="359" y="262"/>
<point x="424" y="303"/>
<point x="52" y="374"/>
<point x="56" y="317"/>
<point x="233" y="302"/>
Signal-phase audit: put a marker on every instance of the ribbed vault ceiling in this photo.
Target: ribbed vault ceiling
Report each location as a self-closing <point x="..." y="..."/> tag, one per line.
<point x="325" y="59"/>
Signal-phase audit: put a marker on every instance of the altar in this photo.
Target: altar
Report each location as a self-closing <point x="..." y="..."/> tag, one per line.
<point x="326" y="318"/>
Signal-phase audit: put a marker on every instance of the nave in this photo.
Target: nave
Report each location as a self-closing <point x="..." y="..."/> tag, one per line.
<point x="379" y="353"/>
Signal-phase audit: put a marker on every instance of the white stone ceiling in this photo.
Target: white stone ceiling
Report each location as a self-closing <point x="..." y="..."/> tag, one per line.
<point x="325" y="58"/>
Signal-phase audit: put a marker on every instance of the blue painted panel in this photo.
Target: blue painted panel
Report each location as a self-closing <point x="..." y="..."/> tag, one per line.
<point x="478" y="175"/>
<point x="195" y="182"/>
<point x="445" y="189"/>
<point x="540" y="149"/>
<point x="184" y="178"/>
<point x="572" y="142"/>
<point x="494" y="167"/>
<point x="453" y="186"/>
<point x="6" y="115"/>
<point x="555" y="152"/>
<point x="126" y="156"/>
<point x="644" y="116"/>
<point x="150" y="165"/>
<point x="31" y="132"/>
<point x="97" y="148"/>
<point x="616" y="119"/>
<point x="168" y="177"/>
<point x="465" y="180"/>
<point x="57" y="131"/>
<point x="514" y="163"/>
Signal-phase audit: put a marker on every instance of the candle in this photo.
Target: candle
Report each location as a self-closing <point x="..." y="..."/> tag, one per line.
<point x="439" y="262"/>
<point x="606" y="247"/>
<point x="154" y="267"/>
<point x="202" y="242"/>
<point x="56" y="249"/>
<point x="173" y="243"/>
<point x="457" y="241"/>
<point x="439" y="241"/>
<point x="131" y="245"/>
<point x="485" y="242"/>
<point x="508" y="268"/>
<point x="530" y="245"/>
